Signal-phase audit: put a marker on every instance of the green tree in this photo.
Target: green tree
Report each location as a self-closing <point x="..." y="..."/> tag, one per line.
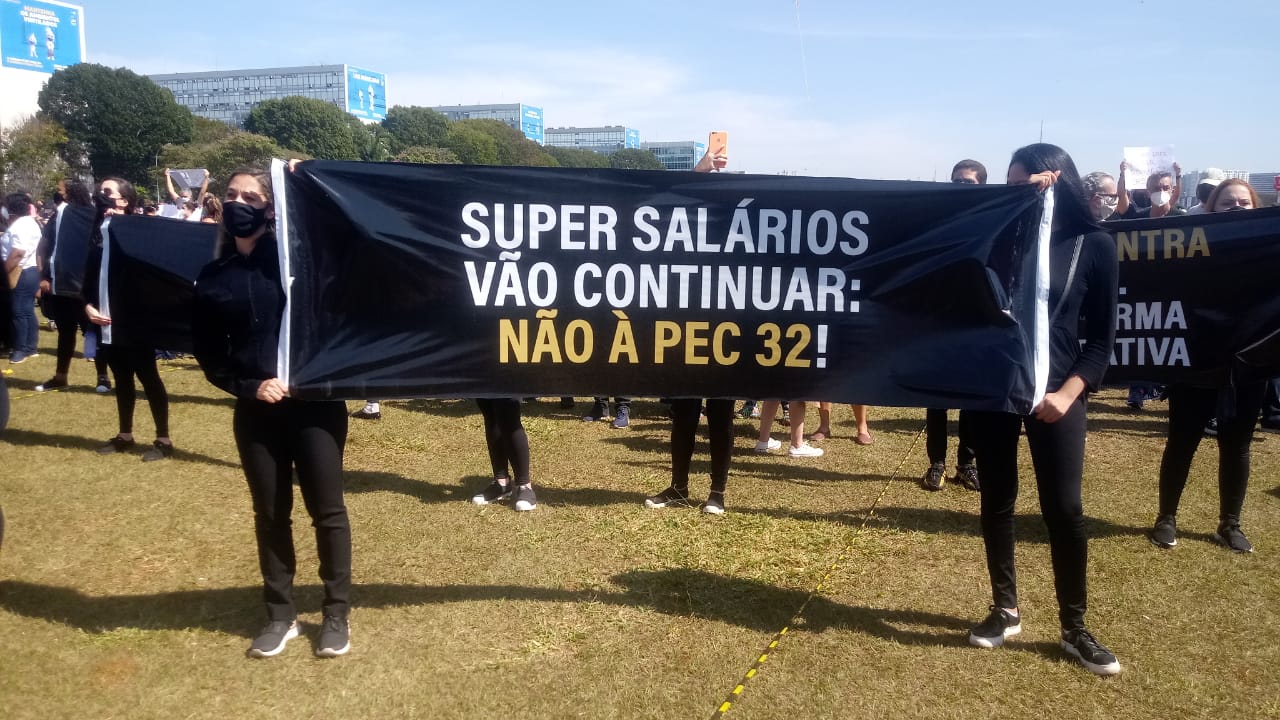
<point x="426" y="155"/>
<point x="223" y="156"/>
<point x="512" y="147"/>
<point x="373" y="142"/>
<point x="204" y="130"/>
<point x="116" y="119"/>
<point x="578" y="158"/>
<point x="635" y="159"/>
<point x="411" y="125"/>
<point x="30" y="158"/>
<point x="471" y="145"/>
<point x="305" y="125"/>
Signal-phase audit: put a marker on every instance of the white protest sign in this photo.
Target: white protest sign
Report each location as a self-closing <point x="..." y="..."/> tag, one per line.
<point x="1143" y="161"/>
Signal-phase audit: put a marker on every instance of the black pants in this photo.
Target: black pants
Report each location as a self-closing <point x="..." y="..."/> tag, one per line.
<point x="274" y="440"/>
<point x="1189" y="409"/>
<point x="127" y="363"/>
<point x="1271" y="406"/>
<point x="685" y="413"/>
<point x="505" y="437"/>
<point x="1057" y="453"/>
<point x="935" y="437"/>
<point x="68" y="314"/>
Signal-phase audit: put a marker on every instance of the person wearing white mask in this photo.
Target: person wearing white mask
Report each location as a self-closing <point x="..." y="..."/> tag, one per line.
<point x="1103" y="196"/>
<point x="1163" y="188"/>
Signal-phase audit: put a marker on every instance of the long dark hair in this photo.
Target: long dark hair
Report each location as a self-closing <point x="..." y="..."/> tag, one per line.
<point x="127" y="192"/>
<point x="227" y="244"/>
<point x="1071" y="203"/>
<point x="78" y="194"/>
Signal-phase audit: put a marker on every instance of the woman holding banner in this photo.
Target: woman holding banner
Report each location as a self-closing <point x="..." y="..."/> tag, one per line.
<point x="1082" y="284"/>
<point x="117" y="197"/>
<point x="1236" y="408"/>
<point x="239" y="301"/>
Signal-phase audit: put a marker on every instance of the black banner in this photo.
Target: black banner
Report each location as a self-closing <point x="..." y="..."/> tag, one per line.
<point x="456" y="281"/>
<point x="151" y="268"/>
<point x="1199" y="298"/>
<point x="71" y="250"/>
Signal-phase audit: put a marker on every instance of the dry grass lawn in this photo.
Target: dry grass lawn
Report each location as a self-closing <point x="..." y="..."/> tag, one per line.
<point x="131" y="589"/>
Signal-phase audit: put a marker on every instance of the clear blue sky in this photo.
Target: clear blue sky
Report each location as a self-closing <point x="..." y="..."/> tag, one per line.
<point x="854" y="88"/>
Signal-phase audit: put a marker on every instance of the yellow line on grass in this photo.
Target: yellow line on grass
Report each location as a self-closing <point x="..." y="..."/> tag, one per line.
<point x="777" y="638"/>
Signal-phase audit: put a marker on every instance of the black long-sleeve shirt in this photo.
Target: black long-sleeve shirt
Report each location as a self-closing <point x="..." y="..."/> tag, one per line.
<point x="1090" y="302"/>
<point x="236" y="323"/>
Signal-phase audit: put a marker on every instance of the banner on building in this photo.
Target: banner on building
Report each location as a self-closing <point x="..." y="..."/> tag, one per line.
<point x="456" y="281"/>
<point x="1199" y="298"/>
<point x="41" y="35"/>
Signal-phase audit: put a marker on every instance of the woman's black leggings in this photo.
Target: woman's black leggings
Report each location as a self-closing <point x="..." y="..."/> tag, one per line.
<point x="685" y="413"/>
<point x="935" y="437"/>
<point x="68" y="314"/>
<point x="1190" y="409"/>
<point x="1057" y="453"/>
<point x="505" y="437"/>
<point x="126" y="363"/>
<point x="274" y="440"/>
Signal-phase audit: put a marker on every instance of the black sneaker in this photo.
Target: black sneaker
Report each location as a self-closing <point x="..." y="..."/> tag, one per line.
<point x="158" y="451"/>
<point x="51" y="384"/>
<point x="525" y="498"/>
<point x="967" y="477"/>
<point x="115" y="445"/>
<point x="492" y="494"/>
<point x="271" y="641"/>
<point x="365" y="413"/>
<point x="935" y="478"/>
<point x="599" y="411"/>
<point x="1211" y="429"/>
<point x="335" y="637"/>
<point x="1165" y="533"/>
<point x="1082" y="646"/>
<point x="1230" y="537"/>
<point x="622" y="418"/>
<point x="714" y="504"/>
<point x="104" y="385"/>
<point x="671" y="496"/>
<point x="990" y="633"/>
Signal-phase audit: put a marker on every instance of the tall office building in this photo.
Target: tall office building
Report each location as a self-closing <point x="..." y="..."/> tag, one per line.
<point x="229" y="95"/>
<point x="605" y="140"/>
<point x="683" y="155"/>
<point x="525" y="118"/>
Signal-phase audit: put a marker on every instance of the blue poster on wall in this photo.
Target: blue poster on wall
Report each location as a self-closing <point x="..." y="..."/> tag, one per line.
<point x="366" y="94"/>
<point x="41" y="35"/>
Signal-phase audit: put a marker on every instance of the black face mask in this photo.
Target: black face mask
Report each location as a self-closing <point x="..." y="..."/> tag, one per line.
<point x="243" y="220"/>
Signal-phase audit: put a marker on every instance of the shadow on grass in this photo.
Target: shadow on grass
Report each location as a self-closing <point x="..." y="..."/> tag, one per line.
<point x="17" y="436"/>
<point x="1275" y="491"/>
<point x="464" y="489"/>
<point x="1028" y="527"/>
<point x="676" y="592"/>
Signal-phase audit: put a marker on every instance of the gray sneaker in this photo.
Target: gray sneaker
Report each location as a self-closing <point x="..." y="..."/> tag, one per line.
<point x="335" y="637"/>
<point x="1230" y="537"/>
<point x="271" y="641"/>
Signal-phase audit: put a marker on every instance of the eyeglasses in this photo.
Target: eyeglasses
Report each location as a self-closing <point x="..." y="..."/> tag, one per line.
<point x="963" y="181"/>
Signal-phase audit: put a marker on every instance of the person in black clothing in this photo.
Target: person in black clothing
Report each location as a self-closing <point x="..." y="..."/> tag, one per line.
<point x="685" y="413"/>
<point x="965" y="172"/>
<point x="1082" y="286"/>
<point x="117" y="197"/>
<point x="1235" y="405"/>
<point x="235" y="331"/>
<point x="508" y="446"/>
<point x="66" y="311"/>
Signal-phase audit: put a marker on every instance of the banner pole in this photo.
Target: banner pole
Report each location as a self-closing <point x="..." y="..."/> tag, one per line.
<point x="1043" y="279"/>
<point x="281" y="198"/>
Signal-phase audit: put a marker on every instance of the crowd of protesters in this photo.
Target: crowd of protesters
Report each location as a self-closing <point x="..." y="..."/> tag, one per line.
<point x="276" y="434"/>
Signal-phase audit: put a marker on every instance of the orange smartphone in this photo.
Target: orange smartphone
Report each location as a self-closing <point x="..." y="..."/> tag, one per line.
<point x="718" y="142"/>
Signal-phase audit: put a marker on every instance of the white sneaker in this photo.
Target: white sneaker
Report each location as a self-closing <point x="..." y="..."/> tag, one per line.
<point x="768" y="447"/>
<point x="805" y="450"/>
